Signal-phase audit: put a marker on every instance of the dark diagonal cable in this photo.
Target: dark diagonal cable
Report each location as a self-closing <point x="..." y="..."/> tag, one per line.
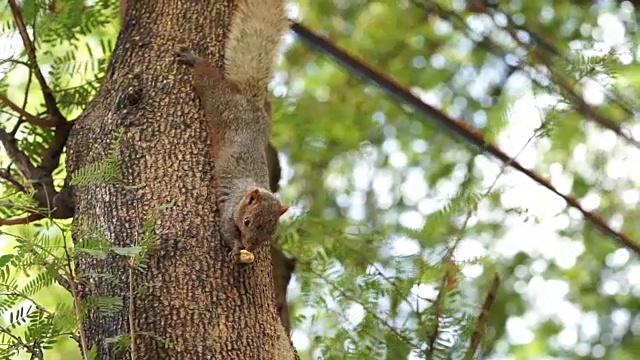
<point x="402" y="94"/>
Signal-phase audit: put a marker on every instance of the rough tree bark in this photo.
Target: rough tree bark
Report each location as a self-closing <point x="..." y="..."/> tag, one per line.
<point x="196" y="304"/>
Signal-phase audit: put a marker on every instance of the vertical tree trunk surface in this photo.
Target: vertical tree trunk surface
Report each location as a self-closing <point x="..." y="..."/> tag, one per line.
<point x="192" y="303"/>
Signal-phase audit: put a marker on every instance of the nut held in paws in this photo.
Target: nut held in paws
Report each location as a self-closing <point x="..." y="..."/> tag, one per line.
<point x="246" y="257"/>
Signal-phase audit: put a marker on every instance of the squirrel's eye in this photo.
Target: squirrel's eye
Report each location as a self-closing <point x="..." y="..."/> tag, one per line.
<point x="246" y="222"/>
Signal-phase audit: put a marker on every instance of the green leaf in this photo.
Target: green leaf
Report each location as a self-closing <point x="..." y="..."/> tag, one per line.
<point x="6" y="259"/>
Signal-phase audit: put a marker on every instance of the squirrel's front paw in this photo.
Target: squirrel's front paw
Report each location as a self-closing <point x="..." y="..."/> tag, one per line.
<point x="185" y="55"/>
<point x="234" y="254"/>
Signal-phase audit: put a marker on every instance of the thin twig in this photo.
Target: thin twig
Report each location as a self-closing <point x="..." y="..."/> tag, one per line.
<point x="448" y="280"/>
<point x="35" y="352"/>
<point x="437" y="306"/>
<point x="483" y="317"/>
<point x="49" y="99"/>
<point x="14" y="61"/>
<point x="581" y="105"/>
<point x="78" y="309"/>
<point x="590" y="112"/>
<point x="26" y="88"/>
<point x="41" y="174"/>
<point x="372" y="313"/>
<point x="132" y="324"/>
<point x="621" y="100"/>
<point x="24" y="296"/>
<point x="70" y="280"/>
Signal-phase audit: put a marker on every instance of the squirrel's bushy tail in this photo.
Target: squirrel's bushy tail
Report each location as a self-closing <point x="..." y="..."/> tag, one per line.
<point x="257" y="27"/>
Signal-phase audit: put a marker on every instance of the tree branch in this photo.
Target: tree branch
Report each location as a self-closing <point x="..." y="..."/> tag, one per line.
<point x="52" y="108"/>
<point x="51" y="156"/>
<point x="54" y="205"/>
<point x="21" y="160"/>
<point x="5" y="174"/>
<point x="455" y="127"/>
<point x="30" y="299"/>
<point x="478" y="331"/>
<point x="33" y="350"/>
<point x="33" y="120"/>
<point x="22" y="220"/>
<point x="59" y="205"/>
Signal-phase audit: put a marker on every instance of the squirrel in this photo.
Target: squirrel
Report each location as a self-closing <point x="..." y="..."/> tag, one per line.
<point x="272" y="153"/>
<point x="236" y="105"/>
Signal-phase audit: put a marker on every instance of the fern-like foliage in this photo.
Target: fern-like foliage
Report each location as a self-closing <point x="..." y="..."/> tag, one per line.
<point x="31" y="326"/>
<point x="47" y="257"/>
<point x="106" y="171"/>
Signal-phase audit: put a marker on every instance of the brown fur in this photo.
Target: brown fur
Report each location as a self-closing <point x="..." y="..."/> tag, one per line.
<point x="257" y="27"/>
<point x="236" y="105"/>
<point x="240" y="130"/>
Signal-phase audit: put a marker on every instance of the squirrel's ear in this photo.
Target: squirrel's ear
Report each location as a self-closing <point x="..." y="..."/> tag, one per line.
<point x="283" y="209"/>
<point x="253" y="195"/>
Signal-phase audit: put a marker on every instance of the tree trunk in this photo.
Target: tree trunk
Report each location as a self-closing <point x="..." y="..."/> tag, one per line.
<point x="190" y="302"/>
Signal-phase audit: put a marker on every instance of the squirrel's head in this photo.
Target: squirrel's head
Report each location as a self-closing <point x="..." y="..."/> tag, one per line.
<point x="257" y="217"/>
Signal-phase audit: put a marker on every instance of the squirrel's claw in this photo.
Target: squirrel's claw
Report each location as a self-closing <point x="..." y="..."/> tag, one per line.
<point x="234" y="254"/>
<point x="185" y="55"/>
<point x="241" y="256"/>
